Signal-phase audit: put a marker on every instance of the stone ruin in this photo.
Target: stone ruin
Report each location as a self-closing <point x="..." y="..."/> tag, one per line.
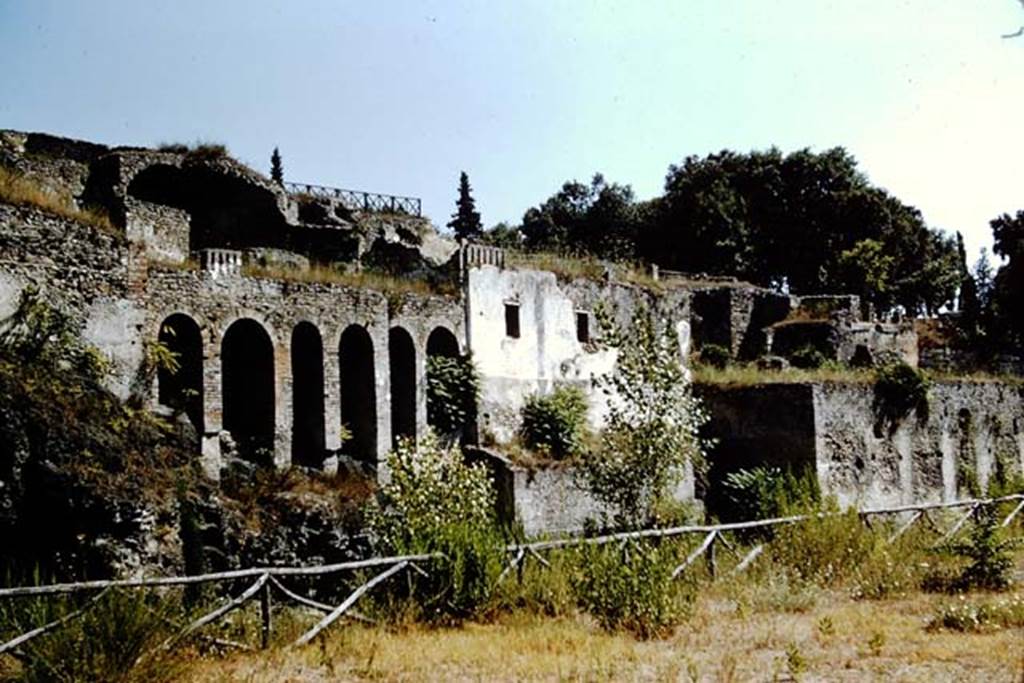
<point x="226" y="268"/>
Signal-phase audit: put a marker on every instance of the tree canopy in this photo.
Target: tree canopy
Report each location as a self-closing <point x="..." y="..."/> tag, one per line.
<point x="808" y="222"/>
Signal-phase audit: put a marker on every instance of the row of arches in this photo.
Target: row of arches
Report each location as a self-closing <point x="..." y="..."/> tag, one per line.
<point x="248" y="391"/>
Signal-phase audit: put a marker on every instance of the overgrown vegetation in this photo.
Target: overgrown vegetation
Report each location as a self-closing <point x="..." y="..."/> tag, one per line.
<point x="555" y="424"/>
<point x="715" y="356"/>
<point x="117" y="640"/>
<point x="766" y="492"/>
<point x="453" y="391"/>
<point x="66" y="441"/>
<point x="389" y="285"/>
<point x="652" y="427"/>
<point x="899" y="390"/>
<point x="20" y="190"/>
<point x="630" y="587"/>
<point x="435" y="503"/>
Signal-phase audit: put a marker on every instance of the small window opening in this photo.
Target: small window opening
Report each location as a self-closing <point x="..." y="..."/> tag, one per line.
<point x="582" y="327"/>
<point x="512" y="320"/>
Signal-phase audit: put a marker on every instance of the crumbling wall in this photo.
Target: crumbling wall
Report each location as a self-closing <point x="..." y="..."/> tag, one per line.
<point x="970" y="430"/>
<point x="551" y="499"/>
<point x="735" y="317"/>
<point x="545" y="348"/>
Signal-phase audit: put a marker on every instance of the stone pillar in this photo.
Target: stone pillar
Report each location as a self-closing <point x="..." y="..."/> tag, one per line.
<point x="382" y="388"/>
<point x="213" y="404"/>
<point x="284" y="403"/>
<point x="421" y="387"/>
<point x="332" y="396"/>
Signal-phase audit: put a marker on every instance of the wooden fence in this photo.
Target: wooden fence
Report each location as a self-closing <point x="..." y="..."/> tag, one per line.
<point x="268" y="579"/>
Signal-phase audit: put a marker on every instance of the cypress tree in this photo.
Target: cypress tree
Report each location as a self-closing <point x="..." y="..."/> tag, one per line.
<point x="276" y="168"/>
<point x="465" y="221"/>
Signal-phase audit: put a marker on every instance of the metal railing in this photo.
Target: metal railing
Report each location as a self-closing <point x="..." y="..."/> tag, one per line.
<point x="356" y="200"/>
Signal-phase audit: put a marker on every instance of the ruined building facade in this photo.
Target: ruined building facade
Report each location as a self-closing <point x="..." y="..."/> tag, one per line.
<point x="232" y="273"/>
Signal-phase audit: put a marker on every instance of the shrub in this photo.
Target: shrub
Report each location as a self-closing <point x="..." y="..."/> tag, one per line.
<point x="824" y="549"/>
<point x="555" y="424"/>
<point x="764" y="492"/>
<point x="807" y="358"/>
<point x="207" y="151"/>
<point x="630" y="588"/>
<point x="436" y="503"/>
<point x="453" y="389"/>
<point x="899" y="389"/>
<point x="715" y="356"/>
<point x="651" y="430"/>
<point x="965" y="616"/>
<point x="990" y="561"/>
<point x="117" y="639"/>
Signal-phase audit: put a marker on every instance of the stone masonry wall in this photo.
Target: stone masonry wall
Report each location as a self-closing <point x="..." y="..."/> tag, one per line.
<point x="971" y="428"/>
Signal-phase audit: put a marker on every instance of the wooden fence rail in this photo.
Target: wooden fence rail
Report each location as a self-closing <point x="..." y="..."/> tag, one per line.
<point x="268" y="578"/>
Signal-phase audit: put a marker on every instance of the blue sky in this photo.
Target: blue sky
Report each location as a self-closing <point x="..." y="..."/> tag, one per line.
<point x="400" y="96"/>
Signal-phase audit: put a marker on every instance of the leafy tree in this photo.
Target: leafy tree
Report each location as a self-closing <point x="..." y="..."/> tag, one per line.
<point x="599" y="219"/>
<point x="503" y="235"/>
<point x="651" y="431"/>
<point x="809" y="222"/>
<point x="276" y="168"/>
<point x="465" y="221"/>
<point x="868" y="269"/>
<point x="1008" y="242"/>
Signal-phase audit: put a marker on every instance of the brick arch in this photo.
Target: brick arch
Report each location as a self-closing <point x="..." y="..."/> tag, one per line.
<point x="224" y="324"/>
<point x="358" y="392"/>
<point x="442" y="342"/>
<point x="248" y="388"/>
<point x="307" y="367"/>
<point x="402" y="369"/>
<point x="181" y="388"/>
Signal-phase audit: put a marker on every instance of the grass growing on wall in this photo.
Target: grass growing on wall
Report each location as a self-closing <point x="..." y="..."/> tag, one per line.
<point x="20" y="190"/>
<point x="366" y="279"/>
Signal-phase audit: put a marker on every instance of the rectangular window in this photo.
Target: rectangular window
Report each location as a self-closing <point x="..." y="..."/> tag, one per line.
<point x="582" y="327"/>
<point x="512" y="320"/>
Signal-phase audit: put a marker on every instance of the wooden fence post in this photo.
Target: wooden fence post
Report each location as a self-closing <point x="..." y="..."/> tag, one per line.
<point x="265" y="614"/>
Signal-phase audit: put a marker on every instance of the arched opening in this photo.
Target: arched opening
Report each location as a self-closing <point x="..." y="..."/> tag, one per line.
<point x="402" y="361"/>
<point x="181" y="388"/>
<point x="442" y="342"/>
<point x="247" y="364"/>
<point x="307" y="396"/>
<point x="451" y="388"/>
<point x="358" y="394"/>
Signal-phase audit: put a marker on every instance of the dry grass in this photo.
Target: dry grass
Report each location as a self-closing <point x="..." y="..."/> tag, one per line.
<point x="387" y="284"/>
<point x="837" y="640"/>
<point x="750" y="374"/>
<point x="20" y="190"/>
<point x="582" y="267"/>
